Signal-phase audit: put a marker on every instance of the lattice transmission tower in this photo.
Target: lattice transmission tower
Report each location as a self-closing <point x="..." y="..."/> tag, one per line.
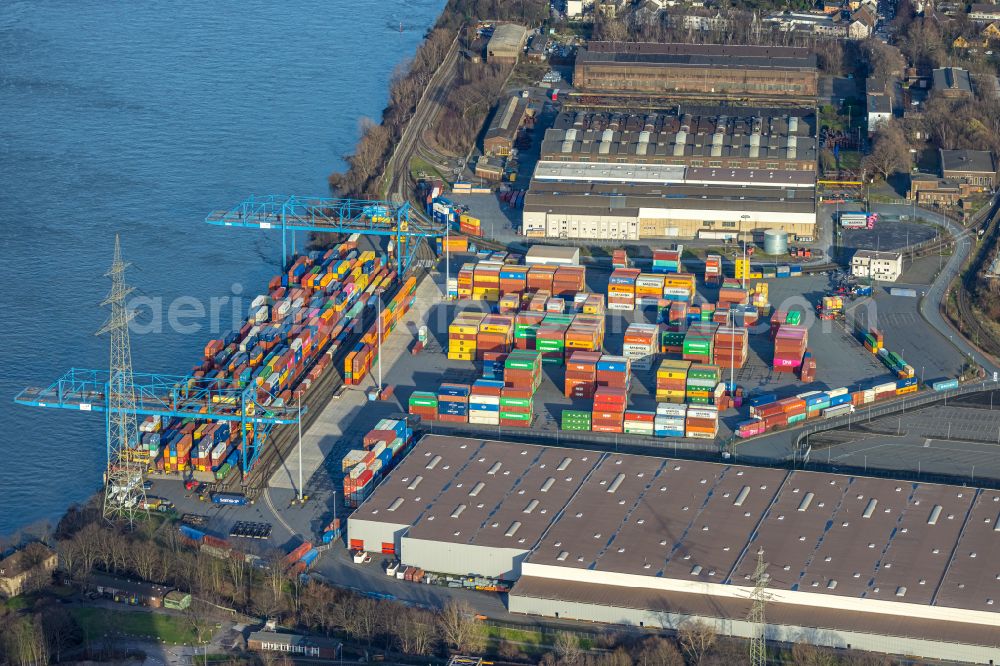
<point x="758" y="601"/>
<point x="124" y="495"/>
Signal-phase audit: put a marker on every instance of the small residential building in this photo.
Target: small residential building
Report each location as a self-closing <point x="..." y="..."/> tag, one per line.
<point x="307" y="646"/>
<point x="489" y="168"/>
<point x="974" y="167"/>
<point x="952" y="82"/>
<point x="883" y="266"/>
<point x="991" y="33"/>
<point x="17" y="569"/>
<point x="984" y="13"/>
<point x="130" y="592"/>
<point x="506" y="44"/>
<point x="699" y="19"/>
<point x="862" y="23"/>
<point x="879" y="111"/>
<point x="826" y="25"/>
<point x="574" y="8"/>
<point x="503" y="129"/>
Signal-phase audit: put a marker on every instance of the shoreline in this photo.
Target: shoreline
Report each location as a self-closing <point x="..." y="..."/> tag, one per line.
<point x="47" y="526"/>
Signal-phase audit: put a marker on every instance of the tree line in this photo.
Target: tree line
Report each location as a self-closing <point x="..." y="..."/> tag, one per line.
<point x="465" y="108"/>
<point x="155" y="552"/>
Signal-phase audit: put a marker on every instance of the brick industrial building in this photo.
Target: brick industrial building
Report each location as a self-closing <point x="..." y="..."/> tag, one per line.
<point x="728" y="71"/>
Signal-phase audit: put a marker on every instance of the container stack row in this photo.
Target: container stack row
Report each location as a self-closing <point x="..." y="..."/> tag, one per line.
<point x="767" y="412"/>
<point x="667" y="261"/>
<point x="282" y="347"/>
<point x="383" y="447"/>
<point x="489" y="280"/>
<point x="628" y="288"/>
<point x="790" y="344"/>
<point x="713" y="270"/>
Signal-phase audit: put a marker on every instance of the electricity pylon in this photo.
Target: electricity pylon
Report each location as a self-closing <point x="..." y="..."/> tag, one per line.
<point x="758" y="601"/>
<point x="124" y="495"/>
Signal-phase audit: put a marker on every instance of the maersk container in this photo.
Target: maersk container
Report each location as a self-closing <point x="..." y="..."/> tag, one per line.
<point x="234" y="499"/>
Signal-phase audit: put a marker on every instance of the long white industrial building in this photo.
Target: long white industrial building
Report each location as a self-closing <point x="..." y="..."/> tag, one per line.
<point x="874" y="564"/>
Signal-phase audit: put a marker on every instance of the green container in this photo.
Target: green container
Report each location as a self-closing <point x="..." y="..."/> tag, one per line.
<point x="698" y="400"/>
<point x="797" y="418"/>
<point x="423" y="399"/>
<point x="515" y="416"/>
<point x="515" y="402"/>
<point x="794" y="318"/>
<point x="560" y="319"/>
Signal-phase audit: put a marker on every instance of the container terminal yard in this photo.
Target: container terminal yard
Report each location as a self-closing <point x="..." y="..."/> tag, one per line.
<point x="417" y="412"/>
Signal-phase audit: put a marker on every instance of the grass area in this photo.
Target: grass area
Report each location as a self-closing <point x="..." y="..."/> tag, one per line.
<point x="531" y="640"/>
<point x="421" y="168"/>
<point x="16" y="603"/>
<point x="167" y="628"/>
<point x="527" y="72"/>
<point x="850" y="160"/>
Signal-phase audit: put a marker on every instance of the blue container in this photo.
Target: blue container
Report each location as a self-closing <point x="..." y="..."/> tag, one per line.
<point x="945" y="385"/>
<point x="840" y="399"/>
<point x="232" y="499"/>
<point x="760" y="400"/>
<point x="483" y="407"/>
<point x="903" y="383"/>
<point x="817" y="399"/>
<point x="192" y="533"/>
<point x="310" y="557"/>
<point x="611" y="366"/>
<point x="385" y="456"/>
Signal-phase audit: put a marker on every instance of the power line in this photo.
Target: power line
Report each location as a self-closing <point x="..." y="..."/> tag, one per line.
<point x="124" y="495"/>
<point x="758" y="602"/>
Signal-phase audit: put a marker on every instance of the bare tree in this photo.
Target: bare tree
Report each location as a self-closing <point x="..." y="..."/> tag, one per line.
<point x="60" y="630"/>
<point x="567" y="646"/>
<point x="890" y="151"/>
<point x="415" y="632"/>
<point x="199" y="618"/>
<point x="459" y="629"/>
<point x="696" y="638"/>
<point x="145" y="559"/>
<point x="804" y="654"/>
<point x="657" y="651"/>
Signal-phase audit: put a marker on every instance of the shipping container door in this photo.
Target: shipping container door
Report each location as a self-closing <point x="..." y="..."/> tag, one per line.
<point x="388" y="548"/>
<point x="357" y="544"/>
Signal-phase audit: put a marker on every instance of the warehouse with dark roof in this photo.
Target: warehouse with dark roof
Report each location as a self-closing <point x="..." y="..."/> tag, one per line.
<point x="725" y="71"/>
<point x="877" y="564"/>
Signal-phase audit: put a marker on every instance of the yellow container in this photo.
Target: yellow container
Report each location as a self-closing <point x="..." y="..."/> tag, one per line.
<point x="676" y="397"/>
<point x="907" y="389"/>
<point x="460" y="356"/>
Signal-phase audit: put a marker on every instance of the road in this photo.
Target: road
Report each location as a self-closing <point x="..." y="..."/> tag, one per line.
<point x="781" y="445"/>
<point x="930" y="305"/>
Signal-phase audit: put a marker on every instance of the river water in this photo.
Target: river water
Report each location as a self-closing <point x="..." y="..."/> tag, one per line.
<point x="139" y="119"/>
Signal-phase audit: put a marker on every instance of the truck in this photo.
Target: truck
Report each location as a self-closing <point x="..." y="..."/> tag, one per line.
<point x="232" y="499"/>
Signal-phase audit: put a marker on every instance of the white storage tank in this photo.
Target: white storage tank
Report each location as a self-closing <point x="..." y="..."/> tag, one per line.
<point x="775" y="242"/>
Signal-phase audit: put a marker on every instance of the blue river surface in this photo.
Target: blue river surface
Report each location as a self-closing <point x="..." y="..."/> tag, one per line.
<point x="139" y="118"/>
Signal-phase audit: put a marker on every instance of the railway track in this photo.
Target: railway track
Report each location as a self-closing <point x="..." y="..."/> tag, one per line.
<point x="968" y="321"/>
<point x="282" y="439"/>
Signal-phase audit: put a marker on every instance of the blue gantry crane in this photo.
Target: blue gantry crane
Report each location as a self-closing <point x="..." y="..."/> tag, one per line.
<point x="187" y="396"/>
<point x="168" y="396"/>
<point x="289" y="214"/>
